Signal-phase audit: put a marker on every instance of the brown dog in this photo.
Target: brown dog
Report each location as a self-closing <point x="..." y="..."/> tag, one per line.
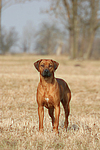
<point x="50" y="92"/>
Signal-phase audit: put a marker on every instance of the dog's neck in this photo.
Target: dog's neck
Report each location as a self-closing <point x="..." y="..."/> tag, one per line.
<point x="48" y="80"/>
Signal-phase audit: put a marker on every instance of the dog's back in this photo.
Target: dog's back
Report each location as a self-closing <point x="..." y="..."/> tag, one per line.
<point x="66" y="93"/>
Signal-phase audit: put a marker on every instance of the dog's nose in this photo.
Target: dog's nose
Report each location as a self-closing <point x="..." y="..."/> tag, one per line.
<point x="46" y="70"/>
<point x="46" y="73"/>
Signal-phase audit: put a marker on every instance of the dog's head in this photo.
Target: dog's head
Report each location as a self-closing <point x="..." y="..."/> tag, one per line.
<point x="46" y="67"/>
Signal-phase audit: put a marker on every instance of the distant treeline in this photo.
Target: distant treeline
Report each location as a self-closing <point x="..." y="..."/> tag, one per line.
<point x="75" y="31"/>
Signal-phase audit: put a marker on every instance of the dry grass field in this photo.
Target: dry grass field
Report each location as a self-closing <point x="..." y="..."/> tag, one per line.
<point x="18" y="107"/>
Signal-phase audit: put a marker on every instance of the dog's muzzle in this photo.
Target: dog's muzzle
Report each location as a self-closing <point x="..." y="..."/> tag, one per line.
<point x="46" y="73"/>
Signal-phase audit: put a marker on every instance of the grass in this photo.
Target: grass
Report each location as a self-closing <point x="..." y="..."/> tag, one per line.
<point x="18" y="107"/>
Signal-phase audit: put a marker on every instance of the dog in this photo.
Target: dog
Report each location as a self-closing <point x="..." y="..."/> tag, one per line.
<point x="50" y="92"/>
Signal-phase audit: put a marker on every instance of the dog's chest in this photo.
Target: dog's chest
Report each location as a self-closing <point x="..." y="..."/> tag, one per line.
<point x="48" y="97"/>
<point x="49" y="94"/>
<point x="48" y="102"/>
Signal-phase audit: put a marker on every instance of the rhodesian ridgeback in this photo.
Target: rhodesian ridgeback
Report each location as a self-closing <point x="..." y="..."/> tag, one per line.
<point x="50" y="92"/>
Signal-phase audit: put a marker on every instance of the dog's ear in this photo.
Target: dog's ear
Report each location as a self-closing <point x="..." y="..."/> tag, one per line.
<point x="56" y="64"/>
<point x="36" y="64"/>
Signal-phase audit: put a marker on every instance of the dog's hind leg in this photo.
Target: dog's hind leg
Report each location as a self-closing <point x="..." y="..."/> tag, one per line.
<point x="65" y="103"/>
<point x="51" y="114"/>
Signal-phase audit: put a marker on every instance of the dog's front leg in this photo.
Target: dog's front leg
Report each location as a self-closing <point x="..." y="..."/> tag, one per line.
<point x="41" y="116"/>
<point x="56" y="123"/>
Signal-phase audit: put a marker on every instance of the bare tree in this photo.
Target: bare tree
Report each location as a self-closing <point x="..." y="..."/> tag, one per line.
<point x="80" y="18"/>
<point x="94" y="24"/>
<point x="48" y="39"/>
<point x="7" y="3"/>
<point x="9" y="39"/>
<point x="68" y="13"/>
<point x="27" y="37"/>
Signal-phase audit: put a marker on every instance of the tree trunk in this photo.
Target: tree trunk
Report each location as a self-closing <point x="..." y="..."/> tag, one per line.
<point x="73" y="24"/>
<point x="75" y="30"/>
<point x="59" y="49"/>
<point x="71" y="43"/>
<point x="82" y="47"/>
<point x="93" y="22"/>
<point x="88" y="54"/>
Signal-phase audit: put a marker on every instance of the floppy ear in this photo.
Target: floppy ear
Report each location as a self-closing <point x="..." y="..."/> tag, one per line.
<point x="36" y="64"/>
<point x="56" y="64"/>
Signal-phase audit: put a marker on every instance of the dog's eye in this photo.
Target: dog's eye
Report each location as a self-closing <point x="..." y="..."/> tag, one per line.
<point x="42" y="65"/>
<point x="50" y="65"/>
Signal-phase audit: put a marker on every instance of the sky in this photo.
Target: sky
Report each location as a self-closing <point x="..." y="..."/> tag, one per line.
<point x="26" y="14"/>
<point x="23" y="14"/>
<point x="18" y="15"/>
